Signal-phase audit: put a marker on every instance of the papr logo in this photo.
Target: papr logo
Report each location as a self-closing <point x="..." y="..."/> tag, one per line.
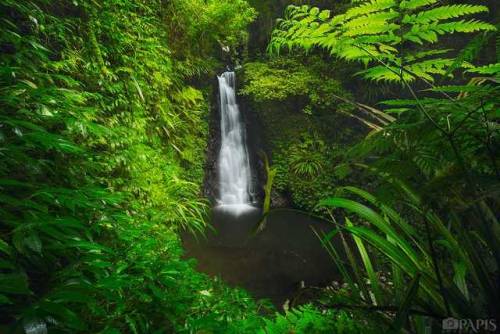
<point x="469" y="325"/>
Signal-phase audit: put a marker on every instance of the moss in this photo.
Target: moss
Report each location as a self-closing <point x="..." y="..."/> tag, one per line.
<point x="298" y="109"/>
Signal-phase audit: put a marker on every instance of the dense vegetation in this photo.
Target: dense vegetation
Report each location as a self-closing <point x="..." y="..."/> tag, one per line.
<point x="379" y="115"/>
<point x="102" y="144"/>
<point x="431" y="225"/>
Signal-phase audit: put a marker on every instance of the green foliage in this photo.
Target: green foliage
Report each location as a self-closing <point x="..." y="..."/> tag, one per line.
<point x="442" y="239"/>
<point x="210" y="25"/>
<point x="304" y="168"/>
<point x="264" y="82"/>
<point x="101" y="139"/>
<point x="283" y="79"/>
<point x="384" y="34"/>
<point x="308" y="319"/>
<point x="286" y="93"/>
<point x="398" y="241"/>
<point x="270" y="174"/>
<point x="306" y="158"/>
<point x="103" y="129"/>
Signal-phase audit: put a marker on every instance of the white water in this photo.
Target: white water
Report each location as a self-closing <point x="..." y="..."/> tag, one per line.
<point x="233" y="164"/>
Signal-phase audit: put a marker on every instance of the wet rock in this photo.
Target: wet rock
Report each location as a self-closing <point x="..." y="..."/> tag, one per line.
<point x="279" y="200"/>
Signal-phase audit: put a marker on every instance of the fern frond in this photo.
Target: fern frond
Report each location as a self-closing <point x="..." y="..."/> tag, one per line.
<point x="425" y="54"/>
<point x="460" y="89"/>
<point x="351" y="52"/>
<point x="426" y="158"/>
<point x="385" y="41"/>
<point x="373" y="28"/>
<point x="376" y="18"/>
<point x="369" y="7"/>
<point x="387" y="74"/>
<point x="420" y="35"/>
<point x="469" y="52"/>
<point x="422" y="69"/>
<point x="491" y="69"/>
<point x="429" y="32"/>
<point x="464" y="26"/>
<point x="427" y="68"/>
<point x="443" y="13"/>
<point x="414" y="4"/>
<point x="374" y="31"/>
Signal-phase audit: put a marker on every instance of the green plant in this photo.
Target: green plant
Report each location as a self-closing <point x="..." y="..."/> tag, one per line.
<point x="290" y="91"/>
<point x="444" y="238"/>
<point x="308" y="319"/>
<point x="306" y="158"/>
<point x="385" y="34"/>
<point x="100" y="143"/>
<point x="414" y="255"/>
<point x="276" y="81"/>
<point x="270" y="174"/>
<point x="291" y="79"/>
<point x="212" y="24"/>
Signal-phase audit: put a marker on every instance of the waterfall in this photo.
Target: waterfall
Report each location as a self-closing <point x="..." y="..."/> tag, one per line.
<point x="233" y="164"/>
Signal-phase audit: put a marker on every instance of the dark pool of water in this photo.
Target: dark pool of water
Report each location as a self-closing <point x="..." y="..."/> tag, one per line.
<point x="270" y="264"/>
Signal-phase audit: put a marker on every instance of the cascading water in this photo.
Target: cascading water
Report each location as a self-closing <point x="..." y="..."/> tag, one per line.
<point x="233" y="165"/>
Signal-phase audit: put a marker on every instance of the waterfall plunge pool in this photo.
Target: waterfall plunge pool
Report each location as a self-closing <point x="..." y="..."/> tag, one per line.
<point x="274" y="263"/>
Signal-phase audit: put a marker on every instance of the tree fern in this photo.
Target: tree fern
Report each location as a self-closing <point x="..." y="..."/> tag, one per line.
<point x="491" y="69"/>
<point x="381" y="33"/>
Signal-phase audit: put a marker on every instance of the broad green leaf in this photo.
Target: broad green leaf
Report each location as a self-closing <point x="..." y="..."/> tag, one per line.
<point x="14" y="284"/>
<point x="404" y="308"/>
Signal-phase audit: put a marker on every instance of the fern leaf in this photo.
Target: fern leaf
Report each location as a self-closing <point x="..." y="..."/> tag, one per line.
<point x="369" y="7"/>
<point x="353" y="52"/>
<point x="428" y="67"/>
<point x="464" y="26"/>
<point x="470" y="52"/>
<point x="429" y="32"/>
<point x="426" y="158"/>
<point x="414" y="4"/>
<point x="382" y="17"/>
<point x="425" y="54"/>
<point x="374" y="28"/>
<point x="443" y="13"/>
<point x="370" y="32"/>
<point x="418" y="36"/>
<point x="382" y="73"/>
<point x="492" y="69"/>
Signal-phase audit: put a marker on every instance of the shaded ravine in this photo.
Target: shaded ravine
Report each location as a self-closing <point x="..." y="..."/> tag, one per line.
<point x="282" y="258"/>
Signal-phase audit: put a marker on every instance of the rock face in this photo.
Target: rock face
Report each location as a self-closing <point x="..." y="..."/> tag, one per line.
<point x="280" y="200"/>
<point x="210" y="182"/>
<point x="255" y="144"/>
